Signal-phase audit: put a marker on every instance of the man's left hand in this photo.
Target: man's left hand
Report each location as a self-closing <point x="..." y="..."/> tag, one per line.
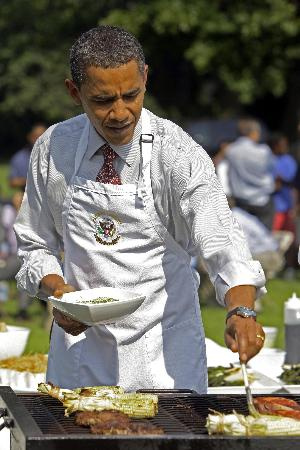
<point x="244" y="335"/>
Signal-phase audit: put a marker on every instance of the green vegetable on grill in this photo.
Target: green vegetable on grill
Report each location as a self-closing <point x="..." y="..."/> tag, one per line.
<point x="98" y="300"/>
<point x="238" y="425"/>
<point x="134" y="405"/>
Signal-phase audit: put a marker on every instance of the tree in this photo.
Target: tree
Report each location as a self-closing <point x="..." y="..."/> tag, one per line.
<point x="206" y="56"/>
<point x="215" y="51"/>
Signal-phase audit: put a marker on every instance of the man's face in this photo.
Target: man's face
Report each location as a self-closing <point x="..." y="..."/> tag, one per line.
<point x="112" y="99"/>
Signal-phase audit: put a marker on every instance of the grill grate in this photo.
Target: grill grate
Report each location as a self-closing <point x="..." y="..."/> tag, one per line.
<point x="39" y="423"/>
<point x="176" y="414"/>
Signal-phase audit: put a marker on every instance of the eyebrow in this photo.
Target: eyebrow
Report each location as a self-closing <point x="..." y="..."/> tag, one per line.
<point x="112" y="97"/>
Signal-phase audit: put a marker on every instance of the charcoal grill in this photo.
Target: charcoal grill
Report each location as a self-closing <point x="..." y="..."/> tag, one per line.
<point x="37" y="422"/>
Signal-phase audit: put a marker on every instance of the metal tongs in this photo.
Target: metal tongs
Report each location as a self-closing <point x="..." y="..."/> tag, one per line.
<point x="251" y="407"/>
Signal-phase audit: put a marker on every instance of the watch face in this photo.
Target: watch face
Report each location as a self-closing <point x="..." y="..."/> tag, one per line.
<point x="242" y="311"/>
<point x="246" y="313"/>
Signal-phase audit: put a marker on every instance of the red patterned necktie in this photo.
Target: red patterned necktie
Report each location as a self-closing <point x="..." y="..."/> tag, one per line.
<point x="107" y="174"/>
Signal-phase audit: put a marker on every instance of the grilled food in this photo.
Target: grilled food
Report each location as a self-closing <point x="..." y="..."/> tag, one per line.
<point x="134" y="428"/>
<point x="91" y="391"/>
<point x="239" y="425"/>
<point x="277" y="416"/>
<point x="134" y="405"/>
<point x="88" y="418"/>
<point x="277" y="406"/>
<point x="99" y="398"/>
<point x="114" y="423"/>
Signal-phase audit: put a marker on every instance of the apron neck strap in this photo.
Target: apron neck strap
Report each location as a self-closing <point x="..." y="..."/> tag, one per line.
<point x="146" y="142"/>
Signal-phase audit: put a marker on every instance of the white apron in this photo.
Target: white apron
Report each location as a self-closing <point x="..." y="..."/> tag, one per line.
<point x="162" y="344"/>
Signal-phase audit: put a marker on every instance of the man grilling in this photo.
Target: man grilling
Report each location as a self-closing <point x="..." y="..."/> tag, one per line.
<point x="120" y="164"/>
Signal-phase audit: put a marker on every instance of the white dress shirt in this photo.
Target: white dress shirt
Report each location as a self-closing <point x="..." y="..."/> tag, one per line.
<point x="250" y="171"/>
<point x="187" y="195"/>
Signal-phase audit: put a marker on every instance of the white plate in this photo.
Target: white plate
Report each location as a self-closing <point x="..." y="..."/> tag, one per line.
<point x="92" y="314"/>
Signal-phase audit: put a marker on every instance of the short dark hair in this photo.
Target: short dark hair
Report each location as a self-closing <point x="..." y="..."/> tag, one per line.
<point x="104" y="46"/>
<point x="247" y="125"/>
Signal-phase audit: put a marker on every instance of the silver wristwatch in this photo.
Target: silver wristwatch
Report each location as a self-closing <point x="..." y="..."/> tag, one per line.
<point x="242" y="311"/>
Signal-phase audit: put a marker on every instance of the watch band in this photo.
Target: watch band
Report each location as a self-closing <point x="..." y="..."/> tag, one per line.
<point x="242" y="311"/>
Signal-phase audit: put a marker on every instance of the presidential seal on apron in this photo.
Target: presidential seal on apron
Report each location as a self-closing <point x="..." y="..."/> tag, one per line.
<point x="106" y="229"/>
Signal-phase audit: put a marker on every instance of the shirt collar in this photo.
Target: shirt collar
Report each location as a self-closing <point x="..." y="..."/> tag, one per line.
<point x="126" y="152"/>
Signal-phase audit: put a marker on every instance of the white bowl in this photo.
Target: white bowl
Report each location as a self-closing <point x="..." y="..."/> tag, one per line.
<point x="92" y="314"/>
<point x="13" y="341"/>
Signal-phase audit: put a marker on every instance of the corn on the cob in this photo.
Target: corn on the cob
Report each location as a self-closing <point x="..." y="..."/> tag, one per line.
<point x="91" y="391"/>
<point x="239" y="425"/>
<point x="53" y="391"/>
<point x="134" y="405"/>
<point x="99" y="391"/>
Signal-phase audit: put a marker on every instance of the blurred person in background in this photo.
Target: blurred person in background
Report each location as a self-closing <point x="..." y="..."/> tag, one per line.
<point x="251" y="172"/>
<point x="285" y="170"/>
<point x="19" y="163"/>
<point x="268" y="247"/>
<point x="222" y="166"/>
<point x="9" y="262"/>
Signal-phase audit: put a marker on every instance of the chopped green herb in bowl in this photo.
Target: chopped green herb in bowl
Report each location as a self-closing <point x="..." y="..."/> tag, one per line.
<point x="98" y="300"/>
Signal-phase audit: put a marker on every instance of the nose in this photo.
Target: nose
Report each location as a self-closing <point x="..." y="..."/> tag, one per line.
<point x="119" y="111"/>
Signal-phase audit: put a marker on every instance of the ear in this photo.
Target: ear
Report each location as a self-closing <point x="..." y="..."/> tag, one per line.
<point x="145" y="76"/>
<point x="73" y="91"/>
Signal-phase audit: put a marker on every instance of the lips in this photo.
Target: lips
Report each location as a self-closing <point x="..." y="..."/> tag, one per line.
<point x="119" y="129"/>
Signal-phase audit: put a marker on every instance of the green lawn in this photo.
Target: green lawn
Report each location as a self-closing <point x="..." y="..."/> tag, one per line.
<point x="213" y="316"/>
<point x="39" y="336"/>
<point x="5" y="190"/>
<point x="272" y="314"/>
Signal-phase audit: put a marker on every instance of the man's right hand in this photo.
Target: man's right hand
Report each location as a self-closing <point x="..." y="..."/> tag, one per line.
<point x="69" y="325"/>
<point x="55" y="285"/>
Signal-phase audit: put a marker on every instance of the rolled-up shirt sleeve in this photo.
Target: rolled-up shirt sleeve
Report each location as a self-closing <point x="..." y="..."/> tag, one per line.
<point x="216" y="235"/>
<point x="39" y="245"/>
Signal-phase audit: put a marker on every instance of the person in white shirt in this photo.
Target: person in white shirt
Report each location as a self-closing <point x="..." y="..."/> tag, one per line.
<point x="120" y="166"/>
<point x="250" y="172"/>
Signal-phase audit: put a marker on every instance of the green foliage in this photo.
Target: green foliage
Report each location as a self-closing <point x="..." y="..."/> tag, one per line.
<point x="245" y="48"/>
<point x="201" y="53"/>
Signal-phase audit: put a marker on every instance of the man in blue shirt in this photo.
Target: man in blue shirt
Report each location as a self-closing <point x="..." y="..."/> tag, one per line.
<point x="20" y="161"/>
<point x="284" y="173"/>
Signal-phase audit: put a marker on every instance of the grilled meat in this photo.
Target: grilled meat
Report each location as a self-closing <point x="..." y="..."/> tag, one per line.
<point x="88" y="418"/>
<point x="114" y="422"/>
<point x="133" y="428"/>
<point x="277" y="406"/>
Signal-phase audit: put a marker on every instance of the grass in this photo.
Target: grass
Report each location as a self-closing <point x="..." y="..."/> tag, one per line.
<point x="213" y="316"/>
<point x="38" y="341"/>
<point x="272" y="311"/>
<point x="5" y="190"/>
